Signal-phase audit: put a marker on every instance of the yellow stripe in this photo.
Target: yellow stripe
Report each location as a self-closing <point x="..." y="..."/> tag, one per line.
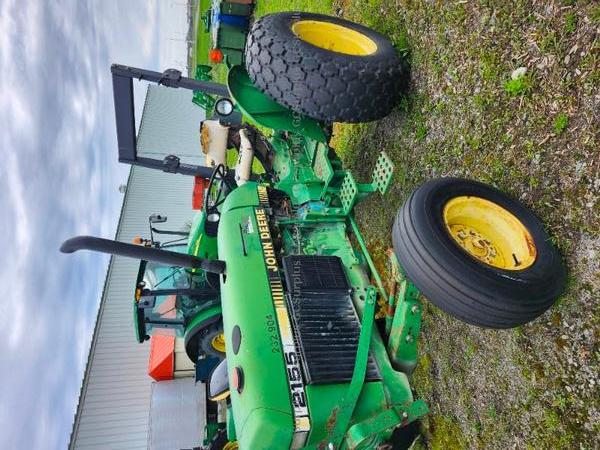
<point x="284" y="322"/>
<point x="302" y="424"/>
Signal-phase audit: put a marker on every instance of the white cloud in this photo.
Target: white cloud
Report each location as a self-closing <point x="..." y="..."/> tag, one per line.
<point x="58" y="177"/>
<point x="21" y="230"/>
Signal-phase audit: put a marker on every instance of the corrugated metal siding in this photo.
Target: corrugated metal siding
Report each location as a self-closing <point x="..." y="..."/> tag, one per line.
<point x="115" y="399"/>
<point x="171" y="123"/>
<point x="114" y="403"/>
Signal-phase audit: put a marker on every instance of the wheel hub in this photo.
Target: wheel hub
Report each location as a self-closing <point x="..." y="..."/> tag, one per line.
<point x="218" y="342"/>
<point x="334" y="37"/>
<point x="489" y="233"/>
<point x="475" y="244"/>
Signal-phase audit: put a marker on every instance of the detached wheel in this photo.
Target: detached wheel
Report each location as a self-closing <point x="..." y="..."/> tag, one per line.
<point x="324" y="67"/>
<point x="208" y="340"/>
<point x="478" y="254"/>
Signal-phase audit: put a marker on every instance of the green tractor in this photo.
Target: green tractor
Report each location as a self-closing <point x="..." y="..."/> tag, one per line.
<point x="319" y="347"/>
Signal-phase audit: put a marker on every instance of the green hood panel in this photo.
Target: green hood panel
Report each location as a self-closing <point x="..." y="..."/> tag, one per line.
<point x="247" y="304"/>
<point x="242" y="197"/>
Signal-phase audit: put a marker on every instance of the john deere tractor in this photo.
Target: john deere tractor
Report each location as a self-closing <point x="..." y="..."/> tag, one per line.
<point x="319" y="347"/>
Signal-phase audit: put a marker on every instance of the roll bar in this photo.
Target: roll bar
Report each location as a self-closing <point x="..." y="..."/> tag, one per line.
<point x="122" y="79"/>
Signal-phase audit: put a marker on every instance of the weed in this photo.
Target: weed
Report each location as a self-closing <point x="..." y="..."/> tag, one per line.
<point x="595" y="14"/>
<point x="470" y="350"/>
<point x="559" y="402"/>
<point x="560" y="123"/>
<point x="421" y="132"/>
<point x="549" y="43"/>
<point x="551" y="420"/>
<point x="570" y="23"/>
<point x="534" y="182"/>
<point x="530" y="149"/>
<point x="447" y="433"/>
<point x="518" y="86"/>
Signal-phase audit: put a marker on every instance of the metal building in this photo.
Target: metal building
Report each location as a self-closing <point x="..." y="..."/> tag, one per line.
<point x="114" y="404"/>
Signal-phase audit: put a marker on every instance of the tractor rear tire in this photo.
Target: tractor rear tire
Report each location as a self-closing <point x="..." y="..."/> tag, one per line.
<point x="477" y="254"/>
<point x="290" y="57"/>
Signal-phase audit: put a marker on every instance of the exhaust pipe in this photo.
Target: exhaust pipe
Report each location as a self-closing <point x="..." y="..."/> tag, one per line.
<point x="139" y="252"/>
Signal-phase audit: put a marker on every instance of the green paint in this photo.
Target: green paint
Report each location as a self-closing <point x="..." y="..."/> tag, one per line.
<point x="261" y="109"/>
<point x="262" y="412"/>
<point x="202" y="99"/>
<point x="405" y="328"/>
<point x="348" y="401"/>
<point x="203" y="316"/>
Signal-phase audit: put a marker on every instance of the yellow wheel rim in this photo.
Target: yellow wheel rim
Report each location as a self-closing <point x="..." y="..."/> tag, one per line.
<point x="231" y="446"/>
<point x="218" y="342"/>
<point x="334" y="37"/>
<point x="489" y="233"/>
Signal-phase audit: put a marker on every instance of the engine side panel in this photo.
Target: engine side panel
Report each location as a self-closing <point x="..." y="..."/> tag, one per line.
<point x="247" y="303"/>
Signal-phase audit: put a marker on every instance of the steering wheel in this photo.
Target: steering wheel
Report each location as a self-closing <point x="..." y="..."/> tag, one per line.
<point x="215" y="192"/>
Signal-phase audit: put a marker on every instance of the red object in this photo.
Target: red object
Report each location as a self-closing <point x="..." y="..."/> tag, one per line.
<point x="161" y="365"/>
<point x="237" y="381"/>
<point x="215" y="55"/>
<point x="198" y="195"/>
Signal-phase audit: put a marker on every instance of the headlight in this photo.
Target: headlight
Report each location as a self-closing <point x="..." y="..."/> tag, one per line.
<point x="224" y="107"/>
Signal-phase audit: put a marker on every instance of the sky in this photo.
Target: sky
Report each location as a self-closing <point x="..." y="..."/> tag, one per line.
<point x="59" y="177"/>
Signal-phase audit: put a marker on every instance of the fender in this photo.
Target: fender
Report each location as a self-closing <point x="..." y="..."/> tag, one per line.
<point x="202" y="319"/>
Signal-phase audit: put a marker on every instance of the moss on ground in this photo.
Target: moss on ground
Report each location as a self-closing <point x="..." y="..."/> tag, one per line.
<point x="536" y="386"/>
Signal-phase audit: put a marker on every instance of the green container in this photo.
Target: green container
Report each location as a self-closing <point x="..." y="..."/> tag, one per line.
<point x="231" y="37"/>
<point x="233" y="57"/>
<point x="235" y="9"/>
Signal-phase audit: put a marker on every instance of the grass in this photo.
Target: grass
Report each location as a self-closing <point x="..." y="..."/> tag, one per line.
<point x="595" y="14"/>
<point x="462" y="117"/>
<point x="570" y="23"/>
<point x="203" y="37"/>
<point x="316" y="6"/>
<point x="560" y="123"/>
<point x="537" y="139"/>
<point x="518" y="86"/>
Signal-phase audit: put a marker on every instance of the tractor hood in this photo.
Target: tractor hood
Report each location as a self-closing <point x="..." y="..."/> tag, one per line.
<point x="259" y="357"/>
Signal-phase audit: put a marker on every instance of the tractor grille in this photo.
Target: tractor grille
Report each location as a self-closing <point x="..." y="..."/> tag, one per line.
<point x="325" y="323"/>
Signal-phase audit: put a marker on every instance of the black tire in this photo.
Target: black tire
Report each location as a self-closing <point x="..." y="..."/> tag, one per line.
<point x="321" y="83"/>
<point x="404" y="437"/>
<point x="460" y="284"/>
<point x="199" y="341"/>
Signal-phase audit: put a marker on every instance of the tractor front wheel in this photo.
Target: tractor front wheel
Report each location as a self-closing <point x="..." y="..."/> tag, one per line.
<point x="478" y="254"/>
<point x="324" y="67"/>
<point x="208" y="340"/>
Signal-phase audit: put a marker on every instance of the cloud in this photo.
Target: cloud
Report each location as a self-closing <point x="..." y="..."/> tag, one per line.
<point x="58" y="177"/>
